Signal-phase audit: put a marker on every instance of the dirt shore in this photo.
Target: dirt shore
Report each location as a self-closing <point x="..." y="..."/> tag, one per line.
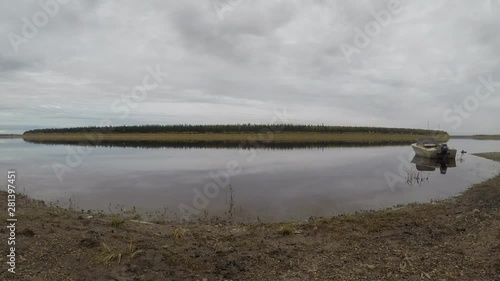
<point x="495" y="156"/>
<point x="454" y="239"/>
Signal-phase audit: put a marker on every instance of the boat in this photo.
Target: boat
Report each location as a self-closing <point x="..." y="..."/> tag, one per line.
<point x="429" y="165"/>
<point x="430" y="148"/>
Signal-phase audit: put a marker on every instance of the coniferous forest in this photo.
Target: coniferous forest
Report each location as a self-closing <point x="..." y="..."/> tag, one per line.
<point x="233" y="129"/>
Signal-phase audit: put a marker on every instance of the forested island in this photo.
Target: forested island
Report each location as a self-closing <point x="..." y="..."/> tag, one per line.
<point x="235" y="129"/>
<point x="262" y="133"/>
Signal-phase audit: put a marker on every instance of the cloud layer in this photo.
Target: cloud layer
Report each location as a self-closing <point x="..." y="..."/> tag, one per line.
<point x="422" y="65"/>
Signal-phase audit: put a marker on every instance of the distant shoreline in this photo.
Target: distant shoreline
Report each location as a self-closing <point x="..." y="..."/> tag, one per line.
<point x="478" y="137"/>
<point x="234" y="133"/>
<point x="229" y="137"/>
<point x="10" y="136"/>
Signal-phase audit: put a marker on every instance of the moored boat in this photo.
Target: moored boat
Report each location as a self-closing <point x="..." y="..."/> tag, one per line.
<point x="430" y="148"/>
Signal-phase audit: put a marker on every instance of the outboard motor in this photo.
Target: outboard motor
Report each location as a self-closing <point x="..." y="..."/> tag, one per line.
<point x="443" y="168"/>
<point x="444" y="151"/>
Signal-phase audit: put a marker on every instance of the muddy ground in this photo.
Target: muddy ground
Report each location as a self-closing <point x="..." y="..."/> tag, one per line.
<point x="454" y="239"/>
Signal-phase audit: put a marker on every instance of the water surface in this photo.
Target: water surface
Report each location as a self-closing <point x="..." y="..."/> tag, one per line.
<point x="271" y="184"/>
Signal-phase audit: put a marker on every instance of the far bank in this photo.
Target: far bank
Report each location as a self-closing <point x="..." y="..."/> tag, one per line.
<point x="279" y="133"/>
<point x="231" y="137"/>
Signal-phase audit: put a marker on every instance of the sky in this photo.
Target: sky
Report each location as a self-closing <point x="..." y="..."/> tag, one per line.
<point x="413" y="64"/>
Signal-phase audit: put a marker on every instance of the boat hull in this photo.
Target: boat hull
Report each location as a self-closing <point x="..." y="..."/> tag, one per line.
<point x="432" y="152"/>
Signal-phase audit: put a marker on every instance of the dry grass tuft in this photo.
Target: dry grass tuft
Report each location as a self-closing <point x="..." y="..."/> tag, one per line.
<point x="117" y="221"/>
<point x="108" y="255"/>
<point x="286" y="230"/>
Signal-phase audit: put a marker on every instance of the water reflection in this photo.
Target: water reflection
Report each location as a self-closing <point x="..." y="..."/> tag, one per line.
<point x="221" y="144"/>
<point x="430" y="165"/>
<point x="280" y="182"/>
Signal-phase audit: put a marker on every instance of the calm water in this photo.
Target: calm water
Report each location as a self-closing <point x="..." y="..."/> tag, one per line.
<point x="270" y="184"/>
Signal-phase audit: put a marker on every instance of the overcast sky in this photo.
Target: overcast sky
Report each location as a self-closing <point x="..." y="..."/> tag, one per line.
<point x="235" y="61"/>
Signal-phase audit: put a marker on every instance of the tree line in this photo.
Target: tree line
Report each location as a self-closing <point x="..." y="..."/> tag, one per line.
<point x="236" y="128"/>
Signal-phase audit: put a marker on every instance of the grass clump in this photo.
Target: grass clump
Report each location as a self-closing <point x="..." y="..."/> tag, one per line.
<point x="117" y="221"/>
<point x="178" y="234"/>
<point x="108" y="255"/>
<point x="286" y="230"/>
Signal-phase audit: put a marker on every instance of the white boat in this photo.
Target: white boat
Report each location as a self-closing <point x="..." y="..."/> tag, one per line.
<point x="430" y="148"/>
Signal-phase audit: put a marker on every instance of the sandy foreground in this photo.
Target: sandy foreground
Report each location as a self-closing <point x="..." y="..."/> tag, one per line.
<point x="454" y="239"/>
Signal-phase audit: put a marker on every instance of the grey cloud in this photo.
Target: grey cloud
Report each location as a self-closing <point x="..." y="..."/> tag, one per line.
<point x="10" y="64"/>
<point x="263" y="55"/>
